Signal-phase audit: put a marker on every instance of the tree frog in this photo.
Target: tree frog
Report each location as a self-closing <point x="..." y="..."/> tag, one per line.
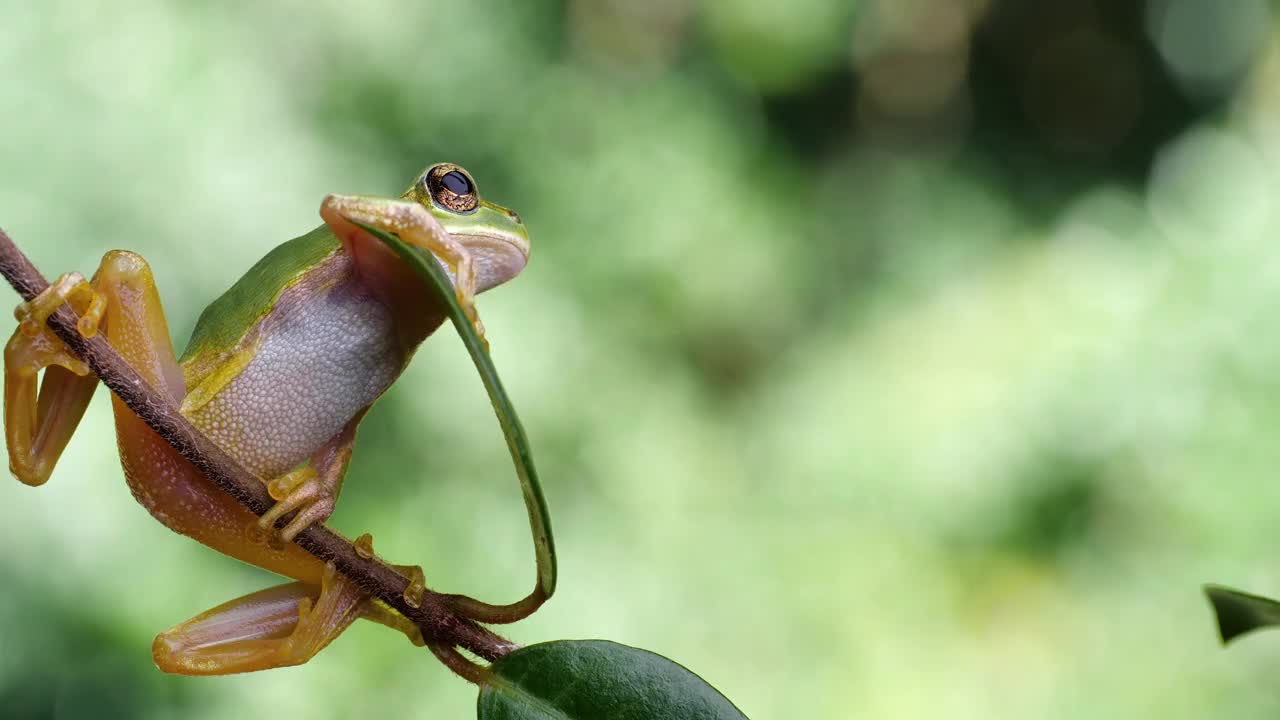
<point x="279" y="372"/>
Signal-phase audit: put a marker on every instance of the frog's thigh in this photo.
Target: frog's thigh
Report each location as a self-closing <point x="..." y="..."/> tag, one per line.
<point x="172" y="489"/>
<point x="135" y="322"/>
<point x="277" y="627"/>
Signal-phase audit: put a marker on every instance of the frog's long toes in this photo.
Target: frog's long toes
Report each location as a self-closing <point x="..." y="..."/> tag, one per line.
<point x="35" y="346"/>
<point x="70" y="289"/>
<point x="300" y="492"/>
<point x="284" y="490"/>
<point x="91" y="318"/>
<point x="316" y="512"/>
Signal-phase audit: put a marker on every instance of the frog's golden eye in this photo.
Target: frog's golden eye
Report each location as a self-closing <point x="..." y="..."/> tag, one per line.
<point x="451" y="188"/>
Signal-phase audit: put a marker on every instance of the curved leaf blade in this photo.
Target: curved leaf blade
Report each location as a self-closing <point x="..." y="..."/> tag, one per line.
<point x="1239" y="613"/>
<point x="592" y="679"/>
<point x="512" y="430"/>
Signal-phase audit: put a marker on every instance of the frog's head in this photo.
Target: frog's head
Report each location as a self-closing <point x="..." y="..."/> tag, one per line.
<point x="498" y="241"/>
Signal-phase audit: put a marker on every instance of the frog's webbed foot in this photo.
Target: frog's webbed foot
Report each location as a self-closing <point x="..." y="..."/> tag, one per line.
<point x="415" y="225"/>
<point x="39" y="418"/>
<point x="280" y="626"/>
<point x="311" y="495"/>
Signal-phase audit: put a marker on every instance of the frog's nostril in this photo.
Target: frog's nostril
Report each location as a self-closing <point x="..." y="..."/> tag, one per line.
<point x="513" y="215"/>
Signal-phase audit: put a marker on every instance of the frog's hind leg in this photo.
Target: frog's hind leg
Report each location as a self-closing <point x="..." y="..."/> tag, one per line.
<point x="120" y="299"/>
<point x="277" y="627"/>
<point x="173" y="490"/>
<point x="41" y="415"/>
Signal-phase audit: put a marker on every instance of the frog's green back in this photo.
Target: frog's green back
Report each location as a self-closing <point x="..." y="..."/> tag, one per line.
<point x="228" y="318"/>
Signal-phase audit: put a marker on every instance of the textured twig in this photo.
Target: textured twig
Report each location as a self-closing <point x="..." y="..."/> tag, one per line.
<point x="438" y="622"/>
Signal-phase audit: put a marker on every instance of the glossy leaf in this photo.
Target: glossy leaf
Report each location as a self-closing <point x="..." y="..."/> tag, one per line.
<point x="1239" y="613"/>
<point x="594" y="679"/>
<point x="517" y="442"/>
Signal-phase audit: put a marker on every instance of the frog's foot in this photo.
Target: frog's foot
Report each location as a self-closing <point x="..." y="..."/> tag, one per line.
<point x="417" y="586"/>
<point x="35" y="345"/>
<point x="304" y="491"/>
<point x="281" y="626"/>
<point x="415" y="225"/>
<point x="71" y="289"/>
<point x="384" y="615"/>
<point x="40" y="417"/>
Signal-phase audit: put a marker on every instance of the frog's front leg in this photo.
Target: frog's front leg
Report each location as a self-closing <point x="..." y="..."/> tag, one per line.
<point x="311" y="490"/>
<point x="413" y="224"/>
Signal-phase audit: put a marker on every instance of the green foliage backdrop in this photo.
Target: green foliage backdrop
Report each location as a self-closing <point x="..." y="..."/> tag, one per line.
<point x="883" y="359"/>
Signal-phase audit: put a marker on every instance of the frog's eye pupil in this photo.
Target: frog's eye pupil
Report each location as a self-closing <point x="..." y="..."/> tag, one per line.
<point x="451" y="188"/>
<point x="456" y="183"/>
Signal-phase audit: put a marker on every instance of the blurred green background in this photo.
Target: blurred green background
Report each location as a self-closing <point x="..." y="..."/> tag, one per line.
<point x="883" y="359"/>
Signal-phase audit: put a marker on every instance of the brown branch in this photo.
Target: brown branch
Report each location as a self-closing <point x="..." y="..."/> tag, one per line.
<point x="440" y="625"/>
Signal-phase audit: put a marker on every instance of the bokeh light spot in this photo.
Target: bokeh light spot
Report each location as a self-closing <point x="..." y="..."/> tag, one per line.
<point x="1208" y="44"/>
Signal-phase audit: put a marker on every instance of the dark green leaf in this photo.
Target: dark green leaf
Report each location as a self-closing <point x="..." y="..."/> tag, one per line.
<point x="1239" y="613"/>
<point x="595" y="680"/>
<point x="517" y="443"/>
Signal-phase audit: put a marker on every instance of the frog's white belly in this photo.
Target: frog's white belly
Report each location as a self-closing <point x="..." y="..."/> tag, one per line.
<point x="317" y="366"/>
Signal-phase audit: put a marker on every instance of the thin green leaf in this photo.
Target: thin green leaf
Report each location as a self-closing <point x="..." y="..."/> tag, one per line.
<point x="517" y="443"/>
<point x="592" y="679"/>
<point x="1239" y="613"/>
